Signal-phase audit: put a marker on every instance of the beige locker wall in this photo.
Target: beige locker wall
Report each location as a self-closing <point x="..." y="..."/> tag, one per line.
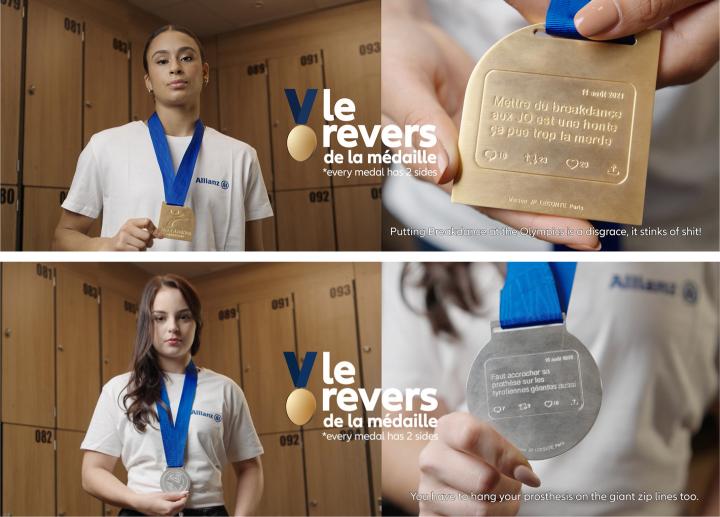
<point x="219" y="348"/>
<point x="71" y="498"/>
<point x="28" y="349"/>
<point x="53" y="87"/>
<point x="119" y="324"/>
<point x="28" y="470"/>
<point x="11" y="68"/>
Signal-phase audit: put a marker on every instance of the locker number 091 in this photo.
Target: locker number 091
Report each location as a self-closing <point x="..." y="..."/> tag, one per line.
<point x="280" y="303"/>
<point x="309" y="59"/>
<point x="43" y="436"/>
<point x="12" y="3"/>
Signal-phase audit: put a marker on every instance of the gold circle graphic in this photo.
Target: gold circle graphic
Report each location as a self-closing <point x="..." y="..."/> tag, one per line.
<point x="301" y="143"/>
<point x="300" y="406"/>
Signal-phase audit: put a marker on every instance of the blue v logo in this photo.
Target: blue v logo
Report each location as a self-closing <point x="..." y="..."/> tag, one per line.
<point x="301" y="112"/>
<point x="300" y="376"/>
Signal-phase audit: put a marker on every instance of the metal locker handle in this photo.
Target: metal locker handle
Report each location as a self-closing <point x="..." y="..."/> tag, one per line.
<point x="367" y="349"/>
<point x="60" y="348"/>
<point x="88" y="104"/>
<point x="8" y="332"/>
<point x="105" y="361"/>
<point x="313" y="502"/>
<point x="31" y="90"/>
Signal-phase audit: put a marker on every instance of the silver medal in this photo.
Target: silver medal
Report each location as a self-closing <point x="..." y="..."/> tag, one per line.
<point x="175" y="479"/>
<point x="538" y="386"/>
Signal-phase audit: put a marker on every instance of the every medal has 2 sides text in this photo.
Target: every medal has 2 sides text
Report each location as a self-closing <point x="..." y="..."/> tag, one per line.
<point x="419" y="401"/>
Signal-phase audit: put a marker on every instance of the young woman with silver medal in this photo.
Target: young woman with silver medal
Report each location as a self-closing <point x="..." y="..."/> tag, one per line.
<point x="175" y="425"/>
<point x="170" y="183"/>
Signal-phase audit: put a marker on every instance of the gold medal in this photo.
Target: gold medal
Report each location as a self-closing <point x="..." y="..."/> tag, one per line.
<point x="176" y="222"/>
<point x="559" y="126"/>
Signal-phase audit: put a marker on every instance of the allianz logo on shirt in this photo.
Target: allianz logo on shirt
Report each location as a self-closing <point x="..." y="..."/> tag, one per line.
<point x="215" y="416"/>
<point x="207" y="181"/>
<point x="638" y="282"/>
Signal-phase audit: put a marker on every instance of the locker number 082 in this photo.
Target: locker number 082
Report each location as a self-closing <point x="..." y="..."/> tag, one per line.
<point x="43" y="436"/>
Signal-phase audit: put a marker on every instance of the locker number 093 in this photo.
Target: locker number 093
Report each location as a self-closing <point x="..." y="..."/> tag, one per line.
<point x="227" y="314"/>
<point x="369" y="48"/>
<point x="341" y="290"/>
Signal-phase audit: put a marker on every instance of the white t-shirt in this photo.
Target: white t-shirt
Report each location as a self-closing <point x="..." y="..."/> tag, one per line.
<point x="221" y="431"/>
<point x="118" y="174"/>
<point x="683" y="176"/>
<point x="653" y="331"/>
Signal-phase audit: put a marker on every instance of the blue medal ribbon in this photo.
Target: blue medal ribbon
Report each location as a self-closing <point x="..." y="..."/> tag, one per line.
<point x="560" y="20"/>
<point x="176" y="185"/>
<point x="174" y="435"/>
<point x="535" y="293"/>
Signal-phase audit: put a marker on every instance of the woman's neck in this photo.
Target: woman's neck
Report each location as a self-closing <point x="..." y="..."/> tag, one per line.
<point x="178" y="120"/>
<point x="174" y="364"/>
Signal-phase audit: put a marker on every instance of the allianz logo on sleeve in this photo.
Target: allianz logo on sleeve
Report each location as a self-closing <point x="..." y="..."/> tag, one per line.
<point x="218" y="183"/>
<point x="688" y="290"/>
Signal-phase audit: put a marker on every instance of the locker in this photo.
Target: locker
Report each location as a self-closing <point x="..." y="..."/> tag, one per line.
<point x="41" y="215"/>
<point x="107" y="95"/>
<point x="352" y="69"/>
<point x="209" y="102"/>
<point x="220" y="341"/>
<point x="119" y="324"/>
<point x="53" y="103"/>
<point x="329" y="492"/>
<point x="8" y="215"/>
<point x="375" y="463"/>
<point x="268" y="229"/>
<point x="143" y="103"/>
<point x="29" y="462"/>
<point x="78" y="350"/>
<point x="11" y="53"/>
<point x="298" y="72"/>
<point x="244" y="110"/>
<point x="266" y="331"/>
<point x="358" y="214"/>
<point x="284" y="492"/>
<point x="71" y="498"/>
<point x="28" y="351"/>
<point x="325" y="322"/>
<point x="368" y="295"/>
<point x="305" y="220"/>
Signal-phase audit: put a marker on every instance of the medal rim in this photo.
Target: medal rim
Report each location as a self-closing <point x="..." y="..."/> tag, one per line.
<point x="477" y="406"/>
<point x="181" y="470"/>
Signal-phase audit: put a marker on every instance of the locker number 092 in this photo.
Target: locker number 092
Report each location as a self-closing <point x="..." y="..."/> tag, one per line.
<point x="288" y="440"/>
<point x="12" y="3"/>
<point x="43" y="436"/>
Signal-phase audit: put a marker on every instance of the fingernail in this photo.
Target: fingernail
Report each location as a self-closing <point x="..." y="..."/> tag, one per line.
<point x="526" y="476"/>
<point x="584" y="247"/>
<point x="597" y="17"/>
<point x="442" y="163"/>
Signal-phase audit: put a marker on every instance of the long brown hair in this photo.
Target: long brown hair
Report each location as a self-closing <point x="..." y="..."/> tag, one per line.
<point x="144" y="387"/>
<point x="443" y="284"/>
